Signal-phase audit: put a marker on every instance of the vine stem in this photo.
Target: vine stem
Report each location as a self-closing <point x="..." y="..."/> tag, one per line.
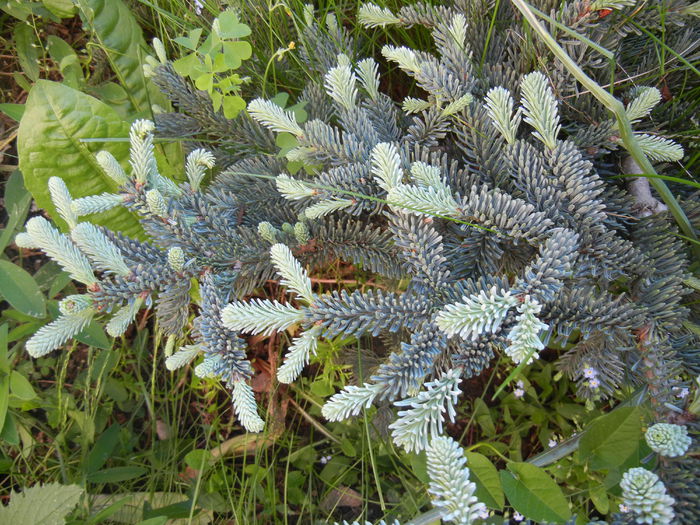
<point x="618" y="109"/>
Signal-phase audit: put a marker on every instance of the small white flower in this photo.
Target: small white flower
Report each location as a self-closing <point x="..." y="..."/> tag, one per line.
<point x="518" y="517"/>
<point x="552" y="443"/>
<point x="594" y="383"/>
<point x="589" y="372"/>
<point x="484" y="514"/>
<point x="518" y="393"/>
<point x="624" y="508"/>
<point x="682" y="393"/>
<point x="325" y="459"/>
<point x="198" y="6"/>
<point x="519" y="383"/>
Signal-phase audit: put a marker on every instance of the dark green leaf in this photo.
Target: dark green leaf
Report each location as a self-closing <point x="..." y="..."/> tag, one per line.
<point x="118" y="33"/>
<point x="4" y="375"/>
<point x="116" y="474"/>
<point x="27" y="50"/>
<point x="20" y="290"/>
<point x="534" y="494"/>
<point x="102" y="449"/>
<point x="94" y="335"/>
<point x="488" y="484"/>
<point x="60" y="8"/>
<point x="611" y="439"/>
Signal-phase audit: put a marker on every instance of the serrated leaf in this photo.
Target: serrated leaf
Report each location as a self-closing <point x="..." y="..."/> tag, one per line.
<point x="533" y="493"/>
<point x="611" y="439"/>
<point x="488" y="484"/>
<point x="56" y="118"/>
<point x="118" y="33"/>
<point x="41" y="505"/>
<point x="19" y="289"/>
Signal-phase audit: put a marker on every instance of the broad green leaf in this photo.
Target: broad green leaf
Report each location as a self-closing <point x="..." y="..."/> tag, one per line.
<point x="49" y="143"/>
<point x="118" y="33"/>
<point x="60" y="8"/>
<point x="488" y="484"/>
<point x="27" y="50"/>
<point x="41" y="505"/>
<point x="21" y="387"/>
<point x="102" y="449"/>
<point x="115" y="474"/>
<point x="533" y="493"/>
<point x="611" y="439"/>
<point x="4" y="375"/>
<point x="14" y="111"/>
<point x="19" y="289"/>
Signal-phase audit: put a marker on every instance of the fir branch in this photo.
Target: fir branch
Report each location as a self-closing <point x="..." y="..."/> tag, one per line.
<point x="245" y="407"/>
<point x="450" y="487"/>
<point x="499" y="105"/>
<point x="416" y="426"/>
<point x="298" y="356"/>
<point x="56" y="333"/>
<point x="293" y="275"/>
<point x="540" y="108"/>
<point x="274" y="117"/>
<point x="260" y="316"/>
<point x="476" y="314"/>
<point x="57" y="246"/>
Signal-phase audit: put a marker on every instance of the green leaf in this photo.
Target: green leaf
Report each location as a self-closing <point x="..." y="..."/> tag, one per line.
<point x="599" y="497"/>
<point x="14" y="111"/>
<point x="198" y="459"/>
<point x="41" y="505"/>
<point x="94" y="335"/>
<point x="27" y="50"/>
<point x="67" y="59"/>
<point x="21" y="387"/>
<point x="115" y="474"/>
<point x="488" y="484"/>
<point x="236" y="52"/>
<point x="17" y="202"/>
<point x="49" y="143"/>
<point x="102" y="449"/>
<point x="20" y="290"/>
<point x="4" y="375"/>
<point x="534" y="494"/>
<point x="611" y="439"/>
<point x="118" y="33"/>
<point x="232" y="105"/>
<point x="60" y="8"/>
<point x="230" y="27"/>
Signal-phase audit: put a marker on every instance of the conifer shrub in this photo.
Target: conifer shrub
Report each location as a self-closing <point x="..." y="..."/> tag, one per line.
<point x="483" y="199"/>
